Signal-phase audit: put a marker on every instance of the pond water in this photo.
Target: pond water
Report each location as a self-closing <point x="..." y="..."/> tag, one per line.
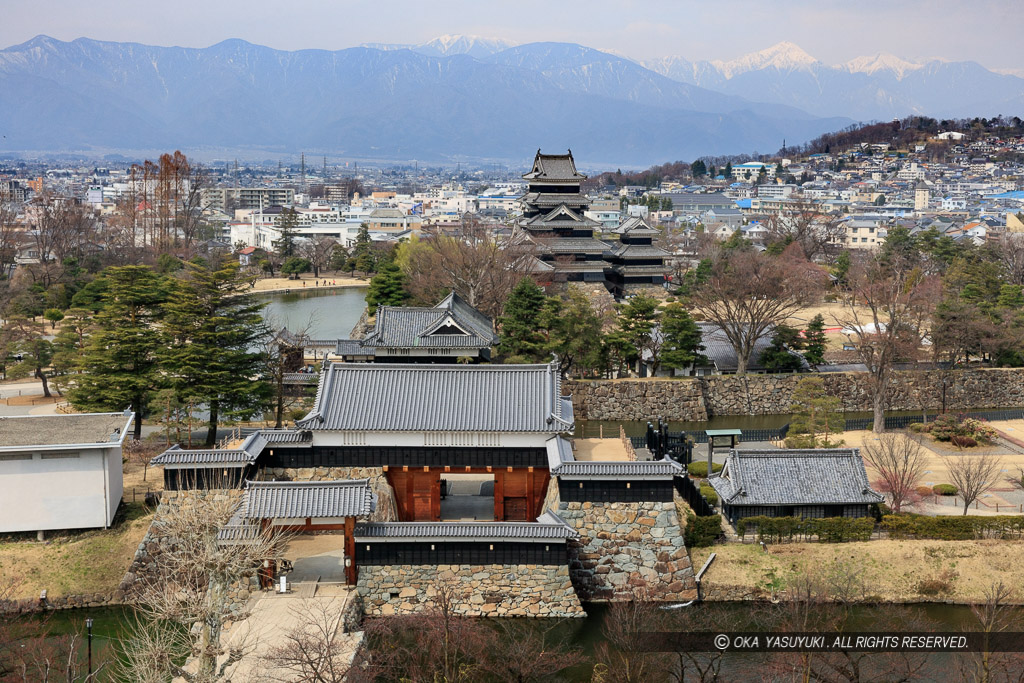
<point x="323" y="313"/>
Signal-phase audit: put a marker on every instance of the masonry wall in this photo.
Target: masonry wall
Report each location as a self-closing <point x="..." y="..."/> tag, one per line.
<point x="696" y="399"/>
<point x="525" y="590"/>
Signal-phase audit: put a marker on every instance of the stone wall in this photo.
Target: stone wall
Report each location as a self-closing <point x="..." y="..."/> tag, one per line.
<point x="696" y="399"/>
<point x="526" y="590"/>
<point x="387" y="508"/>
<point x="628" y="551"/>
<point x="75" y="601"/>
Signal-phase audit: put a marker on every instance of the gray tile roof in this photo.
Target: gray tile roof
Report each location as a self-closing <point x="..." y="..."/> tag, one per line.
<point x="246" y="454"/>
<point x="105" y="429"/>
<point x="561" y="464"/>
<point x="421" y="397"/>
<point x="554" y="167"/>
<point x="301" y="499"/>
<point x="407" y="327"/>
<point x="636" y="226"/>
<point x="288" y="436"/>
<point x="794" y="477"/>
<point x="548" y="527"/>
<point x="719" y="351"/>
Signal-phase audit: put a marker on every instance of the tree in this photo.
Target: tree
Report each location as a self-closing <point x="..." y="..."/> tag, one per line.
<point x="520" y="323"/>
<point x="318" y="252"/>
<point x="387" y="288"/>
<point x="361" y="257"/>
<point x="120" y="365"/>
<point x="817" y="418"/>
<point x="574" y="331"/>
<point x="747" y="294"/>
<point x="698" y="169"/>
<point x="316" y="648"/>
<point x="779" y="356"/>
<point x="891" y="301"/>
<point x="900" y="462"/>
<point x="25" y="337"/>
<point x="806" y="223"/>
<point x="189" y="589"/>
<point x="681" y="344"/>
<point x="638" y="318"/>
<point x="294" y="266"/>
<point x="972" y="475"/>
<point x="814" y="341"/>
<point x="285" y="244"/>
<point x="214" y="334"/>
<point x="54" y="315"/>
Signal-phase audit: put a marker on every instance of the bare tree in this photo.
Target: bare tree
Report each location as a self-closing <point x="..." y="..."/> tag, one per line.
<point x="194" y="573"/>
<point x="749" y="293"/>
<point x="900" y="462"/>
<point x="805" y="223"/>
<point x="317" y="649"/>
<point x="997" y="613"/>
<point x="1011" y="257"/>
<point x="972" y="475"/>
<point x="892" y="300"/>
<point x="620" y="657"/>
<point x="317" y="250"/>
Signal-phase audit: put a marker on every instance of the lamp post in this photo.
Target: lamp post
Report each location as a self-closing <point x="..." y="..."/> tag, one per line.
<point x="88" y="626"/>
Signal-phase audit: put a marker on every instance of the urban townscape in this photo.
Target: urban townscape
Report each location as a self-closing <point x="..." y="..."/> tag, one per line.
<point x="390" y="357"/>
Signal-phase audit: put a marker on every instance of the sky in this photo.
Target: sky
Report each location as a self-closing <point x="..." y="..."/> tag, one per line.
<point x="985" y="31"/>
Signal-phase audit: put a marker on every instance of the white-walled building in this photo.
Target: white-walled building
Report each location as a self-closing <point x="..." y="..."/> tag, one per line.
<point x="61" y="471"/>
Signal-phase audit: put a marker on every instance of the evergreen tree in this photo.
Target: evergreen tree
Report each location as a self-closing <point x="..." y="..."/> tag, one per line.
<point x="26" y="339"/>
<point x="284" y="245"/>
<point x="841" y="269"/>
<point x="681" y="338"/>
<point x="295" y="266"/>
<point x="814" y="341"/>
<point x="698" y="169"/>
<point x="521" y="336"/>
<point x="1011" y="296"/>
<point x="728" y="170"/>
<point x="213" y="335"/>
<point x="778" y="357"/>
<point x="816" y="417"/>
<point x="637" y="319"/>
<point x="387" y="288"/>
<point x="120" y="363"/>
<point x="574" y="332"/>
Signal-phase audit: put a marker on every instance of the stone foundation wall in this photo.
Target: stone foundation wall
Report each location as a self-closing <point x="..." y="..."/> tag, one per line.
<point x="628" y="551"/>
<point x="525" y="590"/>
<point x="387" y="508"/>
<point x="696" y="399"/>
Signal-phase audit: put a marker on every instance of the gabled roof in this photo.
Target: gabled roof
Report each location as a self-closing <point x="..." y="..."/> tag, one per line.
<point x="720" y="352"/>
<point x="408" y="326"/>
<point x="554" y="167"/>
<point x="421" y="397"/>
<point x="548" y="527"/>
<point x="301" y="499"/>
<point x="561" y="464"/>
<point x="794" y="477"/>
<point x="636" y="226"/>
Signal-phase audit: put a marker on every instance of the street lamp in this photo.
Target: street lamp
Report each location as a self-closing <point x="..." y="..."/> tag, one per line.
<point x="88" y="626"/>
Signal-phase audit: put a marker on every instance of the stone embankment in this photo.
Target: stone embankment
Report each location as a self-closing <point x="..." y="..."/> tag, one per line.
<point x="525" y="590"/>
<point x="697" y="399"/>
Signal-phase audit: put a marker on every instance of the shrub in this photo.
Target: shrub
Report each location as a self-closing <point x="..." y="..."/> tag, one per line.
<point x="700" y="469"/>
<point x="944" y="490"/>
<point x="933" y="587"/>
<point x="954" y="528"/>
<point x="709" y="494"/>
<point x="963" y="441"/>
<point x="923" y="491"/>
<point x="827" y="529"/>
<point x="702" y="531"/>
<point x="917" y="427"/>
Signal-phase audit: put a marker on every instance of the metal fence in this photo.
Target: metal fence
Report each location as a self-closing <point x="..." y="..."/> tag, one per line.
<point x="904" y="421"/>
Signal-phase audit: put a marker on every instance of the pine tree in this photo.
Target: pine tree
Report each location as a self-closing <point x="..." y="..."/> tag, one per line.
<point x="120" y="363"/>
<point x="698" y="169"/>
<point x="521" y="336"/>
<point x="814" y="341"/>
<point x="574" y="332"/>
<point x="728" y="170"/>
<point x="681" y="346"/>
<point x="387" y="288"/>
<point x="285" y="244"/>
<point x="213" y="339"/>
<point x="778" y="356"/>
<point x="637" y="320"/>
<point x="816" y="418"/>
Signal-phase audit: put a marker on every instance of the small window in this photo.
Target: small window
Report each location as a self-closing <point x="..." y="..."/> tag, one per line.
<point x="15" y="456"/>
<point x="60" y="455"/>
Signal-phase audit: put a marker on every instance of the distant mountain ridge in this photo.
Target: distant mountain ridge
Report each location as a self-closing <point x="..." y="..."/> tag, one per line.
<point x="371" y="103"/>
<point x="877" y="87"/>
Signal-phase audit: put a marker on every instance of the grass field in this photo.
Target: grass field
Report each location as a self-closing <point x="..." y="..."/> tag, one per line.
<point x="891" y="571"/>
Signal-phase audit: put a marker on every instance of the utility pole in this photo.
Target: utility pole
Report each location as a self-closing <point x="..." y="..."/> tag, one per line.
<point x="303" y="171"/>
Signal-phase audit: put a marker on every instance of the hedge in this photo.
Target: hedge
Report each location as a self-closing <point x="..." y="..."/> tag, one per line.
<point x="826" y="529"/>
<point x="944" y="490"/>
<point x="702" y="531"/>
<point x="955" y="528"/>
<point x="709" y="494"/>
<point x="700" y="469"/>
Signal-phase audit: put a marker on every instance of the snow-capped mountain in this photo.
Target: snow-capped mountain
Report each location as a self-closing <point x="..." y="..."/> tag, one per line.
<point x="866" y="88"/>
<point x="447" y="45"/>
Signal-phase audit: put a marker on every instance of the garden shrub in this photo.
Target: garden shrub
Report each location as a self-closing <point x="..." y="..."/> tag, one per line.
<point x="955" y="528"/>
<point x="702" y="531"/>
<point x="709" y="494"/>
<point x="963" y="441"/>
<point x="700" y="469"/>
<point x="827" y="529"/>
<point x="944" y="490"/>
<point x="917" y="427"/>
<point x="964" y="432"/>
<point x="924" y="490"/>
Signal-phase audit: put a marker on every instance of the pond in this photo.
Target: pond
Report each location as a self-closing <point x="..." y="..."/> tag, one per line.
<point x="323" y="313"/>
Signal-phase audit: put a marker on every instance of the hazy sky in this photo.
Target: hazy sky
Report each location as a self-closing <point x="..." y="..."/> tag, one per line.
<point x="986" y="31"/>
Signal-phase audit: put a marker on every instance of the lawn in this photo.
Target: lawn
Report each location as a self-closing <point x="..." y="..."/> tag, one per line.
<point x="74" y="562"/>
<point x="891" y="571"/>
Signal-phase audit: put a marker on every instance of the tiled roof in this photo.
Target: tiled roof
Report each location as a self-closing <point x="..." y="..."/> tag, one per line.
<point x="289" y="436"/>
<point x="548" y="527"/>
<point x="629" y="251"/>
<point x="571" y="245"/>
<point x="554" y="167"/>
<point x="101" y="429"/>
<point x="301" y="499"/>
<point x="421" y="397"/>
<point x="635" y="225"/>
<point x="562" y="464"/>
<point x="245" y="454"/>
<point x="407" y="327"/>
<point x="794" y="477"/>
<point x="720" y="352"/>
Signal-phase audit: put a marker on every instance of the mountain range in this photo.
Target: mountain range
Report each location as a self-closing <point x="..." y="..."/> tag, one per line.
<point x="455" y="97"/>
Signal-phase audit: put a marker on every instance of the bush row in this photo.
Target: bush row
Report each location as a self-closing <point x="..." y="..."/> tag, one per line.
<point x="953" y="528"/>
<point x="827" y="529"/>
<point x="700" y="469"/>
<point x="702" y="531"/>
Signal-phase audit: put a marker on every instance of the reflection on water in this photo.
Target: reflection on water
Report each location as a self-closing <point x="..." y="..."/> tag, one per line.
<point x="325" y="313"/>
